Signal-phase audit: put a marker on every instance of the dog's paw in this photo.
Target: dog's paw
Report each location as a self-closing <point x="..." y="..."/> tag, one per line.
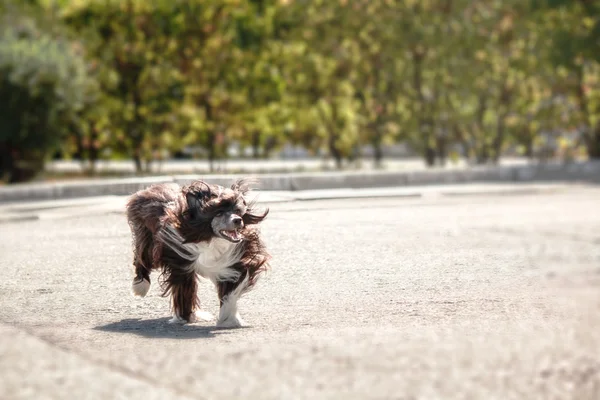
<point x="232" y="321"/>
<point x="140" y="287"/>
<point x="177" y="320"/>
<point x="202" y="316"/>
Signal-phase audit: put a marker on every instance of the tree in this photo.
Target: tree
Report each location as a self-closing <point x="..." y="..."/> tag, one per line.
<point x="333" y="76"/>
<point x="321" y="75"/>
<point x="261" y="118"/>
<point x="129" y="39"/>
<point x="42" y="81"/>
<point x="573" y="28"/>
<point x="380" y="65"/>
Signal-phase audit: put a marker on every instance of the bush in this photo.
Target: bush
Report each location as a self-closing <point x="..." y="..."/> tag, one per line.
<point x="42" y="86"/>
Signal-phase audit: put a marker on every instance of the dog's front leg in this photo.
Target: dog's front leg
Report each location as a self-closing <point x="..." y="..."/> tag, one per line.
<point x="184" y="295"/>
<point x="229" y="294"/>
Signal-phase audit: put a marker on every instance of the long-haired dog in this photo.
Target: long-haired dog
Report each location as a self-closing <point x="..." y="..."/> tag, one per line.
<point x="197" y="230"/>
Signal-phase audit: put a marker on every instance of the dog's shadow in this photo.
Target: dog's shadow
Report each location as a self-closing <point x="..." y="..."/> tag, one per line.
<point x="161" y="328"/>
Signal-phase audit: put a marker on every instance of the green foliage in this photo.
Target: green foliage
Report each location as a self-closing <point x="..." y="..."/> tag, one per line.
<point x="573" y="29"/>
<point x="42" y="81"/>
<point x="141" y="89"/>
<point x="447" y="77"/>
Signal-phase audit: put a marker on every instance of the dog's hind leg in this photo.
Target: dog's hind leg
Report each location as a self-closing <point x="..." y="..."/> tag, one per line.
<point x="142" y="262"/>
<point x="141" y="281"/>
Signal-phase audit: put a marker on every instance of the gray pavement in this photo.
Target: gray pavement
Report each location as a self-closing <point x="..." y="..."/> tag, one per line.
<point x="454" y="295"/>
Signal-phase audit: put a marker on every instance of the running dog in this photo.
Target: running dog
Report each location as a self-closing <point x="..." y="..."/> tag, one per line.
<point x="197" y="230"/>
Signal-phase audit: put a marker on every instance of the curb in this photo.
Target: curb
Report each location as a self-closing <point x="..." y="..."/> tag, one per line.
<point x="574" y="172"/>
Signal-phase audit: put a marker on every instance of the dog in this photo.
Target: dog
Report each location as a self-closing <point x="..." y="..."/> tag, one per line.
<point x="197" y="230"/>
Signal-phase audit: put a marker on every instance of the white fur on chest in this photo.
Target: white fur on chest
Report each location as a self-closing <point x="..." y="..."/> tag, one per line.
<point x="215" y="258"/>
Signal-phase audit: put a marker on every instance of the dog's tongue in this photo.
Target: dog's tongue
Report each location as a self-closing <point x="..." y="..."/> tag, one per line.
<point x="233" y="234"/>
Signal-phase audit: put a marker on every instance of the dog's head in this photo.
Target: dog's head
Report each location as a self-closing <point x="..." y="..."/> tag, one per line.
<point x="220" y="212"/>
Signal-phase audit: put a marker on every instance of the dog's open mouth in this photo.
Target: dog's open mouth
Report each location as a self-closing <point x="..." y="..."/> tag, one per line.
<point x="232" y="236"/>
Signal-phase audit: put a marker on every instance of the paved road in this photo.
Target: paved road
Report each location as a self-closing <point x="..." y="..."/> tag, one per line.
<point x="458" y="297"/>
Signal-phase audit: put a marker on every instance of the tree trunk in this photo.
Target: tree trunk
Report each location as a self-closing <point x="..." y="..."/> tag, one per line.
<point x="499" y="139"/>
<point x="593" y="145"/>
<point x="428" y="150"/>
<point x="256" y="145"/>
<point x="80" y="150"/>
<point x="334" y="151"/>
<point x="137" y="160"/>
<point x="442" y="150"/>
<point x="462" y="141"/>
<point x="377" y="153"/>
<point x="332" y="136"/>
<point x="528" y="144"/>
<point x="131" y="73"/>
<point x="429" y="156"/>
<point x="93" y="151"/>
<point x="211" y="138"/>
<point x="591" y="136"/>
<point x="269" y="146"/>
<point x="480" y="146"/>
<point x="138" y="137"/>
<point x="20" y="167"/>
<point x="483" y="154"/>
<point x="6" y="162"/>
<point x="212" y="151"/>
<point x="505" y="101"/>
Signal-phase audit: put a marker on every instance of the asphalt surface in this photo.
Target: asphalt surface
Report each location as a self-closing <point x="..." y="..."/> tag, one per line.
<point x="436" y="297"/>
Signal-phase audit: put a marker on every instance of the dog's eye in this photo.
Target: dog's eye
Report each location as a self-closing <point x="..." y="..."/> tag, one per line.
<point x="226" y="203"/>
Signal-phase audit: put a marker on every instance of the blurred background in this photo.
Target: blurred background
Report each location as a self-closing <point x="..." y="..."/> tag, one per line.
<point x="134" y="84"/>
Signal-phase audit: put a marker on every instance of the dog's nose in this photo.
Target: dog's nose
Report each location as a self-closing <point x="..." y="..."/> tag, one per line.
<point x="237" y="220"/>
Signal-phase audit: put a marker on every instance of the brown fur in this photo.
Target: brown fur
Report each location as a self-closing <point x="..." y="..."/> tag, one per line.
<point x="165" y="217"/>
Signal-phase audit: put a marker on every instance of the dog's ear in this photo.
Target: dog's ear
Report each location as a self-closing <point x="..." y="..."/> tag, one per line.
<point x="243" y="185"/>
<point x="253" y="217"/>
<point x="196" y="196"/>
<point x="194" y="204"/>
